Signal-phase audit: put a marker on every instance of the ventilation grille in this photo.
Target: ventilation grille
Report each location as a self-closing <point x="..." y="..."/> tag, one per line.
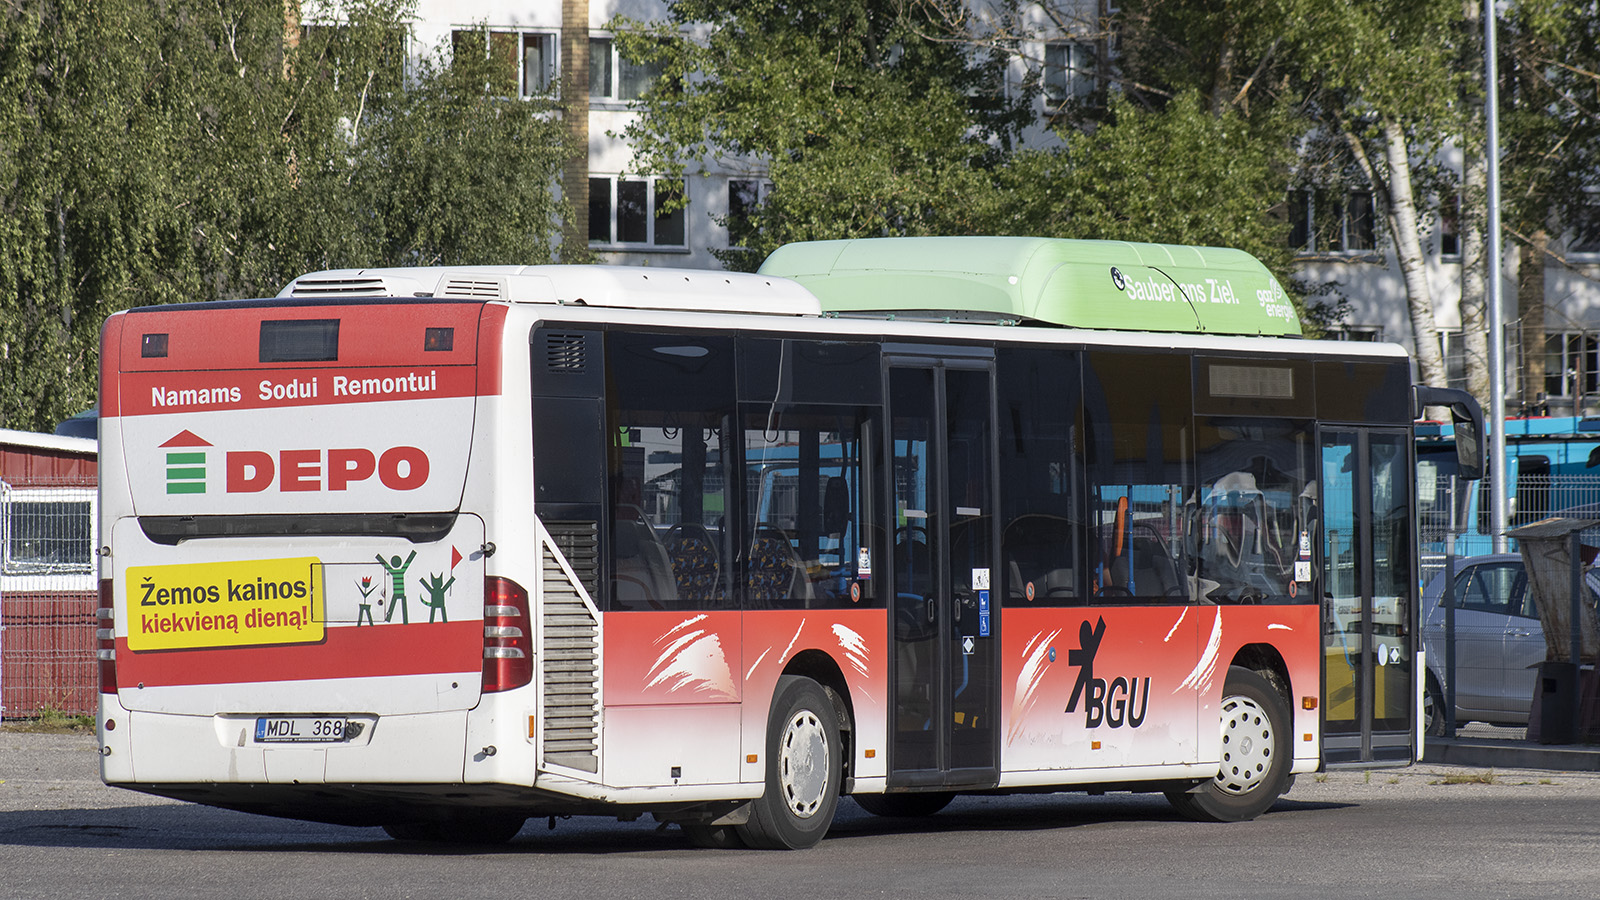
<point x="340" y="287"/>
<point x="565" y="352"/>
<point x="579" y="544"/>
<point x="570" y="657"/>
<point x="471" y="289"/>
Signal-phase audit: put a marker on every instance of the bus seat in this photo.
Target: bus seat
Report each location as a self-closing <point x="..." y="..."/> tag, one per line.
<point x="643" y="569"/>
<point x="694" y="563"/>
<point x="775" y="576"/>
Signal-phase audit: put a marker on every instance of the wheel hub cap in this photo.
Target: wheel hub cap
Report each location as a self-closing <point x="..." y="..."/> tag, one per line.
<point x="803" y="764"/>
<point x="1248" y="745"/>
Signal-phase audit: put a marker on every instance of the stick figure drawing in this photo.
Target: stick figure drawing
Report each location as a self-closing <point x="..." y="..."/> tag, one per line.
<point x="397" y="573"/>
<point x="435" y="589"/>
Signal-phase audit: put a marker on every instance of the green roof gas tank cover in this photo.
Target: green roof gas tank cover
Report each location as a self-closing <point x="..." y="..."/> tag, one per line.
<point x="1078" y="284"/>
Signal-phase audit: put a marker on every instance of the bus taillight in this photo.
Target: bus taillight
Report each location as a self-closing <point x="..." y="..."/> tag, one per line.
<point x="507" y="636"/>
<point x="106" y="640"/>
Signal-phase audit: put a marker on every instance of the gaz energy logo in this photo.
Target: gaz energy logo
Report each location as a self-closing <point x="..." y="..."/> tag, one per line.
<point x="1110" y="704"/>
<point x="311" y="469"/>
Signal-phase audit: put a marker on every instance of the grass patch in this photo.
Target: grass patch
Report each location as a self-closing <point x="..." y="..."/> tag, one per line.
<point x="1469" y="778"/>
<point x="48" y="720"/>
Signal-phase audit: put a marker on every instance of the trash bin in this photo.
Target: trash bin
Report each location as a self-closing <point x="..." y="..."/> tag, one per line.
<point x="1558" y="696"/>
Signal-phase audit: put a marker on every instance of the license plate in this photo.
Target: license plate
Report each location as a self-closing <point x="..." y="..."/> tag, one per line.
<point x="303" y="730"/>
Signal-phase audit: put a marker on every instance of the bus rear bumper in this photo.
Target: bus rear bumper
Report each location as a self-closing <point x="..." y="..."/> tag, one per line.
<point x="140" y="748"/>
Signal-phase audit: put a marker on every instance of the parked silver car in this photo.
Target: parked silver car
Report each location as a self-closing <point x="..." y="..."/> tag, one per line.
<point x="1499" y="641"/>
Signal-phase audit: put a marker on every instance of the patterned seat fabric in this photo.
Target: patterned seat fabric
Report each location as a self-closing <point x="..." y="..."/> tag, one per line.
<point x="694" y="564"/>
<point x="770" y="576"/>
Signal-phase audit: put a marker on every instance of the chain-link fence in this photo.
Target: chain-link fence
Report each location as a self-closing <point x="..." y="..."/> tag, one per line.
<point x="48" y="598"/>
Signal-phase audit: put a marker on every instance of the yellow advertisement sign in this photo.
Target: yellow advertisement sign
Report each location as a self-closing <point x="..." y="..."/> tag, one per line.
<point x="225" y="604"/>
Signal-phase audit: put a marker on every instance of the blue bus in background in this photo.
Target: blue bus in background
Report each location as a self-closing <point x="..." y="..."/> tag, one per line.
<point x="1552" y="466"/>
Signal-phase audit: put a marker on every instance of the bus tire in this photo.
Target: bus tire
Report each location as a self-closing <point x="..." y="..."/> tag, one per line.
<point x="1255" y="754"/>
<point x="803" y="770"/>
<point x="904" y="806"/>
<point x="481" y="829"/>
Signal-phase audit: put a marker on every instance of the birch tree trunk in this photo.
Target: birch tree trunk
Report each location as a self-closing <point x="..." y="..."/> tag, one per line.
<point x="1530" y="313"/>
<point x="1400" y="211"/>
<point x="1474" y="292"/>
<point x="1402" y="214"/>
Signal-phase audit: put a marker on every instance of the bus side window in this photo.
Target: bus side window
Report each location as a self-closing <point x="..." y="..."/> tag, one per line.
<point x="1140" y="462"/>
<point x="668" y="461"/>
<point x="1042" y="541"/>
<point x="1257" y="522"/>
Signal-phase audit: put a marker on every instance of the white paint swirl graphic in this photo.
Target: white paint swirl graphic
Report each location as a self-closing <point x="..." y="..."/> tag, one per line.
<point x="693" y="660"/>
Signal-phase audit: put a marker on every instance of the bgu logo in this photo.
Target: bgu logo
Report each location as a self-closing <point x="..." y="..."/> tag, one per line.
<point x="398" y="469"/>
<point x="1111" y="704"/>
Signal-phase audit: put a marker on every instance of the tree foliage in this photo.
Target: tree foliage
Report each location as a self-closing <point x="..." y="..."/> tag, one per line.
<point x="866" y="125"/>
<point x="185" y="151"/>
<point x="884" y="118"/>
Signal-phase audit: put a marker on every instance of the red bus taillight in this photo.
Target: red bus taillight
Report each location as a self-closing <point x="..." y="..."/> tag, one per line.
<point x="106" y="640"/>
<point x="507" y="636"/>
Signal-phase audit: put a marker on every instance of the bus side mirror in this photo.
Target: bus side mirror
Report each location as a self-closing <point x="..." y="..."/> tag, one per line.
<point x="1466" y="417"/>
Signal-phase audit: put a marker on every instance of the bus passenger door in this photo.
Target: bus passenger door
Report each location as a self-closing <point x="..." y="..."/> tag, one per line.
<point x="945" y="621"/>
<point x="1369" y="591"/>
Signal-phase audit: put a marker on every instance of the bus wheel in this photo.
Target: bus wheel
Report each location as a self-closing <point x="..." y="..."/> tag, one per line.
<point x="803" y="770"/>
<point x="904" y="806"/>
<point x="1255" y="754"/>
<point x="483" y="829"/>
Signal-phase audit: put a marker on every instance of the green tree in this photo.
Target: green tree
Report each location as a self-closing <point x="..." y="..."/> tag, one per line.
<point x="1371" y="88"/>
<point x="1179" y="174"/>
<point x="192" y="151"/>
<point x="867" y="120"/>
<point x="1550" y="146"/>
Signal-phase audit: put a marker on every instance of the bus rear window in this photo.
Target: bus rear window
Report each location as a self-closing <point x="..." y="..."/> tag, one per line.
<point x="300" y="340"/>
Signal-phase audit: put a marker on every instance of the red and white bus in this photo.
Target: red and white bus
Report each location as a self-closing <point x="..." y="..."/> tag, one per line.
<point x="444" y="549"/>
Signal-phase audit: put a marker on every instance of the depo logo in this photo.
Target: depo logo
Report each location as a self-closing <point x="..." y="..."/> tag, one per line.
<point x="253" y="471"/>
<point x="186" y="463"/>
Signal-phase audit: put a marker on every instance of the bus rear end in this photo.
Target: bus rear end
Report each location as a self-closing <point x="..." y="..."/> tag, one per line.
<point x="292" y="592"/>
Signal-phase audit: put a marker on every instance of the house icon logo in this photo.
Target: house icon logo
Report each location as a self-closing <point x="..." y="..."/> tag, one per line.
<point x="186" y="463"/>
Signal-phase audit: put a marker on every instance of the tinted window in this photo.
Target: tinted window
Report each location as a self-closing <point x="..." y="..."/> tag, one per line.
<point x="1257" y="517"/>
<point x="1138" y="430"/>
<point x="669" y="454"/>
<point x="1041" y="458"/>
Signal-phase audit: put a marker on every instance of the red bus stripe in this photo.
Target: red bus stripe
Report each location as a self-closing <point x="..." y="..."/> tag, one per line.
<point x="347" y="652"/>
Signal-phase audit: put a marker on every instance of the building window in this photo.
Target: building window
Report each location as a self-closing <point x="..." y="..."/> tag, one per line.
<point x="1450" y="226"/>
<point x="1069" y="72"/>
<point x="613" y="76"/>
<point x="46" y="531"/>
<point x="524" y="61"/>
<point x="1363" y="333"/>
<point x="1572" y="364"/>
<point x="1586" y="231"/>
<point x="1325" y="222"/>
<point x="629" y="211"/>
<point x="1300" y="221"/>
<point x="745" y="195"/>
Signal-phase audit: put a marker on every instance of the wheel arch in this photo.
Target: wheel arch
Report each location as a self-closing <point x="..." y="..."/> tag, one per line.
<point x="1266" y="660"/>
